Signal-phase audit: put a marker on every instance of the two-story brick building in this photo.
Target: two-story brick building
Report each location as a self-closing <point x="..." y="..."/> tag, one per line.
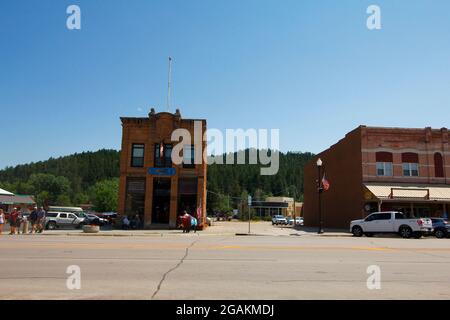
<point x="377" y="169"/>
<point x="151" y="185"/>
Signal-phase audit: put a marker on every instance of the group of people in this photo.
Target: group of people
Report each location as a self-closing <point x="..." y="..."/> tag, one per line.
<point x="188" y="222"/>
<point x="16" y="219"/>
<point x="131" y="223"/>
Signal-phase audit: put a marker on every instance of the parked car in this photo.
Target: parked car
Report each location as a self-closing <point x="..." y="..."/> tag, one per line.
<point x="279" y="219"/>
<point x="95" y="220"/>
<point x="55" y="220"/>
<point x="298" y="221"/>
<point x="111" y="217"/>
<point x="391" y="222"/>
<point x="441" y="228"/>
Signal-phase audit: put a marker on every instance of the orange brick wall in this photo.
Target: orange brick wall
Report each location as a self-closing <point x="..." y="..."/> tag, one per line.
<point x="157" y="128"/>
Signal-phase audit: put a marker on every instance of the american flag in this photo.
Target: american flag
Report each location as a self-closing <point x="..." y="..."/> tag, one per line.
<point x="199" y="214"/>
<point x="325" y="183"/>
<point x="161" y="150"/>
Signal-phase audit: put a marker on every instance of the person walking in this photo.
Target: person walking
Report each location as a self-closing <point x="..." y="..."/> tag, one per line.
<point x="2" y="220"/>
<point x="13" y="220"/>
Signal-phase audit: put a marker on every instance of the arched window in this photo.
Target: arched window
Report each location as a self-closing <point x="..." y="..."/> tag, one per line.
<point x="384" y="163"/>
<point x="438" y="165"/>
<point x="410" y="164"/>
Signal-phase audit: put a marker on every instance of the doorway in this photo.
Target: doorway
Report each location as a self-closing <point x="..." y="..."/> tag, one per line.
<point x="161" y="200"/>
<point x="187" y="196"/>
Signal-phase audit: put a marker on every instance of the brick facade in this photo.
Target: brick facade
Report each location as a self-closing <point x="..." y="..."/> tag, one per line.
<point x="156" y="129"/>
<point x="351" y="164"/>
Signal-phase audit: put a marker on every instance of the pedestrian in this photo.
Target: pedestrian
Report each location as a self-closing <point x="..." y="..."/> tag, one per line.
<point x="138" y="222"/>
<point x="40" y="222"/>
<point x="186" y="220"/>
<point x="194" y="223"/>
<point x="19" y="219"/>
<point x="33" y="219"/>
<point x="125" y="223"/>
<point x="13" y="220"/>
<point x="2" y="220"/>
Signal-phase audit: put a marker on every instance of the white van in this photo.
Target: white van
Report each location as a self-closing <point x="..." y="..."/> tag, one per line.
<point x="79" y="212"/>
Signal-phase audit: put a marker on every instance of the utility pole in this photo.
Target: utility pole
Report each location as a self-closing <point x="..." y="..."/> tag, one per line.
<point x="249" y="202"/>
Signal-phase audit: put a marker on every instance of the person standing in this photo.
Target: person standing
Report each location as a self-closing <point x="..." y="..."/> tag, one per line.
<point x="2" y="220"/>
<point x="40" y="219"/>
<point x="19" y="219"/>
<point x="33" y="220"/>
<point x="13" y="220"/>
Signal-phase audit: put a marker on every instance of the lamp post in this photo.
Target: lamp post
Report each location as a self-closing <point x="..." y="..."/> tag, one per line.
<point x="319" y="190"/>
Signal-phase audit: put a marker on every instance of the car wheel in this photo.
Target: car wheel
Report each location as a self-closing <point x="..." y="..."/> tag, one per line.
<point x="439" y="233"/>
<point x="357" y="231"/>
<point x="405" y="232"/>
<point x="417" y="235"/>
<point x="51" y="225"/>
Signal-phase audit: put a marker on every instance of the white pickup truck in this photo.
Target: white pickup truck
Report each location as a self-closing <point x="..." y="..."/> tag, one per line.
<point x="391" y="222"/>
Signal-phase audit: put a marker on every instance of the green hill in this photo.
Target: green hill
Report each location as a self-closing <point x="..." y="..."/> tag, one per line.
<point x="82" y="177"/>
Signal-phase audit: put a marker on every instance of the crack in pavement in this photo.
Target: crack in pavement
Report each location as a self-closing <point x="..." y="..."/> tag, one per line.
<point x="173" y="269"/>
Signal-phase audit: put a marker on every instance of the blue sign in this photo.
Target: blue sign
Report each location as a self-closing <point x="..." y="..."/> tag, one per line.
<point x="162" y="171"/>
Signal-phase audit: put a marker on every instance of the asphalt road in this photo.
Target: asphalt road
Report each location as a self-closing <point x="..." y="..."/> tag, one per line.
<point x="193" y="266"/>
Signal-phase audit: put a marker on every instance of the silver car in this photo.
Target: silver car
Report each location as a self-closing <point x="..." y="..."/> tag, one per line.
<point x="62" y="220"/>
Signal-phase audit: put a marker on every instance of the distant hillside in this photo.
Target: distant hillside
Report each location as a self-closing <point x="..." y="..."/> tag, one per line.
<point x="73" y="179"/>
<point x="82" y="169"/>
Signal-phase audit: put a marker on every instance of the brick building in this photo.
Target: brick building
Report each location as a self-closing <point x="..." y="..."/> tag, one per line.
<point x="151" y="185"/>
<point x="377" y="169"/>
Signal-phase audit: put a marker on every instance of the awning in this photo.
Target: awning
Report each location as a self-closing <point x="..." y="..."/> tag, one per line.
<point x="409" y="192"/>
<point x="16" y="199"/>
<point x="5" y="193"/>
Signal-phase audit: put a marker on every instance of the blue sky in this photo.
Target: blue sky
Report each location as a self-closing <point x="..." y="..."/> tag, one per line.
<point x="310" y="68"/>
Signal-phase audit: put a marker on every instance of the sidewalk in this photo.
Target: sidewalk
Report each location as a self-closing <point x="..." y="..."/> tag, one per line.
<point x="218" y="228"/>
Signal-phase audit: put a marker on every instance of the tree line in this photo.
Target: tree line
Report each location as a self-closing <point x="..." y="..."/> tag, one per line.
<point x="92" y="177"/>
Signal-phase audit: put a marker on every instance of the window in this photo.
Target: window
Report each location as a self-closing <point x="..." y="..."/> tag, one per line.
<point x="410" y="169"/>
<point x="410" y="164"/>
<point x="163" y="155"/>
<point x="399" y="215"/>
<point x="188" y="156"/>
<point x="384" y="168"/>
<point x="384" y="163"/>
<point x="384" y="216"/>
<point x="438" y="165"/>
<point x="63" y="215"/>
<point x="137" y="155"/>
<point x="379" y="216"/>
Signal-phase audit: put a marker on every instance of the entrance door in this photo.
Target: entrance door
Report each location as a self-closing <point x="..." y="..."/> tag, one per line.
<point x="161" y="200"/>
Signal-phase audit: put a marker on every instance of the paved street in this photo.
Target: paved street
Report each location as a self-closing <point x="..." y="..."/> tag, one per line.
<point x="211" y="265"/>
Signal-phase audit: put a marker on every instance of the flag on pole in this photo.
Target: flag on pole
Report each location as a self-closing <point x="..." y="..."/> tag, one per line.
<point x="161" y="150"/>
<point x="325" y="183"/>
<point x="199" y="214"/>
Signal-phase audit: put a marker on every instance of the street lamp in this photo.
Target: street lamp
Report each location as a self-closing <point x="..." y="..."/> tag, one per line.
<point x="319" y="164"/>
